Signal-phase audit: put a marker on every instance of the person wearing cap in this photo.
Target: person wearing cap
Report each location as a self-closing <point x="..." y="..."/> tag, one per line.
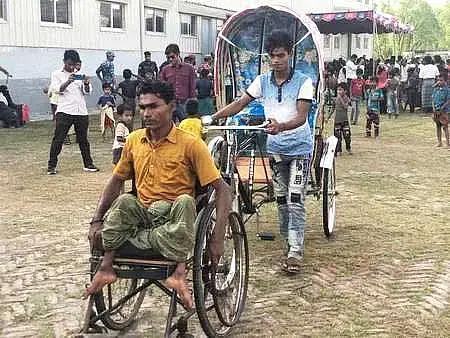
<point x="105" y="72"/>
<point x="148" y="69"/>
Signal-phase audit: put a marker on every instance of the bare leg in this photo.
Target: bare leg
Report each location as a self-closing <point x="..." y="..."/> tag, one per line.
<point x="446" y="136"/>
<point x="439" y="134"/>
<point x="177" y="281"/>
<point x="105" y="275"/>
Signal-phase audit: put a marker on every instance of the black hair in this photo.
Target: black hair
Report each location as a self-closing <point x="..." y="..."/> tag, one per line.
<point x="342" y="85"/>
<point x="172" y="48"/>
<point x="192" y="107"/>
<point x="72" y="55"/>
<point x="427" y="60"/>
<point x="147" y="53"/>
<point x="447" y="61"/>
<point x="359" y="71"/>
<point x="437" y="59"/>
<point x="354" y="56"/>
<point x="121" y="108"/>
<point x="106" y="85"/>
<point x="279" y="39"/>
<point x="127" y="74"/>
<point x="162" y="89"/>
<point x="443" y="75"/>
<point x="204" y="72"/>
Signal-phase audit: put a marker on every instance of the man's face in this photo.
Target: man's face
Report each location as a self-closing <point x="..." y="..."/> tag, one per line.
<point x="155" y="112"/>
<point x="340" y="91"/>
<point x="173" y="58"/>
<point x="107" y="91"/>
<point x="148" y="57"/>
<point x="77" y="66"/>
<point x="279" y="59"/>
<point x="69" y="66"/>
<point x="110" y="57"/>
<point x="441" y="81"/>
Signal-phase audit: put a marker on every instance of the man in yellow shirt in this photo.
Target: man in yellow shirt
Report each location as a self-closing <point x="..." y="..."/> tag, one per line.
<point x="165" y="163"/>
<point x="193" y="122"/>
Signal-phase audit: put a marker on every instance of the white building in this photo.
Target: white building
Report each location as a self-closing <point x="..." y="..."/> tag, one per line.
<point x="35" y="33"/>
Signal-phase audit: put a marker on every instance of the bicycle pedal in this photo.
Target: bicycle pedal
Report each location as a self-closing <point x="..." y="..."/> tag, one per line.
<point x="266" y="236"/>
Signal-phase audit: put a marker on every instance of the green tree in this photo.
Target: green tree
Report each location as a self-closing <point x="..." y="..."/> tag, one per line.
<point x="427" y="33"/>
<point x="443" y="15"/>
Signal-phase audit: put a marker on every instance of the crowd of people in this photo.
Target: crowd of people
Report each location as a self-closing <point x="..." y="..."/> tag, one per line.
<point x="387" y="87"/>
<point x="193" y="90"/>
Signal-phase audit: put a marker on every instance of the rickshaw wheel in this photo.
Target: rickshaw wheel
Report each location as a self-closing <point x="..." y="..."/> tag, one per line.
<point x="329" y="200"/>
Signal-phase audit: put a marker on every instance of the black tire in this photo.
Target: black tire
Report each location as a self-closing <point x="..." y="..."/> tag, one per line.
<point x="124" y="315"/>
<point x="329" y="200"/>
<point x="212" y="299"/>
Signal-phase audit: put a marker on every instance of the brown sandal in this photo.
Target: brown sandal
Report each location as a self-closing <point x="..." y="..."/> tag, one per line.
<point x="292" y="265"/>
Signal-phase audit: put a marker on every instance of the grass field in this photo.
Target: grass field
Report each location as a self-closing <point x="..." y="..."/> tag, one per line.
<point x="387" y="274"/>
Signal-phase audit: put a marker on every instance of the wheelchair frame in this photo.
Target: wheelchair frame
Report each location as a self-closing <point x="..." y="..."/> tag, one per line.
<point x="205" y="281"/>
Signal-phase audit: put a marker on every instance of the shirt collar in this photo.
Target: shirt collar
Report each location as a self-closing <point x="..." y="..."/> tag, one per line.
<point x="171" y="137"/>
<point x="273" y="80"/>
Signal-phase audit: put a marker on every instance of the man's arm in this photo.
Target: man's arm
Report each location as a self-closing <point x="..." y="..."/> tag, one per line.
<point x="162" y="75"/>
<point x="108" y="196"/>
<point x="156" y="71"/>
<point x="66" y="84"/>
<point x="3" y="70"/>
<point x="233" y="108"/>
<point x="192" y="84"/>
<point x="223" y="209"/>
<point x="99" y="71"/>
<point x="300" y="118"/>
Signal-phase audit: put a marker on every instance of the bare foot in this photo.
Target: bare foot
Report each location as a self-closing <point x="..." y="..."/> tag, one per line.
<point x="177" y="281"/>
<point x="101" y="278"/>
<point x="439" y="145"/>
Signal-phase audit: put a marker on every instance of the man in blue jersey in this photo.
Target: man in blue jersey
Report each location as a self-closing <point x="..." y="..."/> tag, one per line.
<point x="286" y="95"/>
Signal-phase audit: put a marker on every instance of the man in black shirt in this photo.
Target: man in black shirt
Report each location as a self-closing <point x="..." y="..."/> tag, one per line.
<point x="127" y="88"/>
<point x="148" y="69"/>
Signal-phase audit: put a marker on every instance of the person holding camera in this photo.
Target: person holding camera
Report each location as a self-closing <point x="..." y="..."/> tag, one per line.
<point x="71" y="110"/>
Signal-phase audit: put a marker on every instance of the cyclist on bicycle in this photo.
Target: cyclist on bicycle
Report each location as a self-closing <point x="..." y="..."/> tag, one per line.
<point x="286" y="95"/>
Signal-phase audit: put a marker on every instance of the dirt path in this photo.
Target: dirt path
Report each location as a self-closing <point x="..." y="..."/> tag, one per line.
<point x="387" y="274"/>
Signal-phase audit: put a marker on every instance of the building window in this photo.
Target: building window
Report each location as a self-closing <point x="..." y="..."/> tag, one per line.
<point x="326" y="42"/>
<point x="3" y="9"/>
<point x="111" y="15"/>
<point x="155" y="20"/>
<point x="188" y="24"/>
<point x="366" y="43"/>
<point x="56" y="11"/>
<point x="357" y="42"/>
<point x="337" y="42"/>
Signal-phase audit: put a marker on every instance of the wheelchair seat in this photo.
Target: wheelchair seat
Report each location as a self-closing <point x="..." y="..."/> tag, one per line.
<point x="132" y="262"/>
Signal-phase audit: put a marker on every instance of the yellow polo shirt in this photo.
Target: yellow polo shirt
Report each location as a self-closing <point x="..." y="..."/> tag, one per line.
<point x="168" y="169"/>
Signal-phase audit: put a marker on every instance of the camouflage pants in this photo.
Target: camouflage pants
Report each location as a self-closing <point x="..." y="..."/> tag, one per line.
<point x="165" y="227"/>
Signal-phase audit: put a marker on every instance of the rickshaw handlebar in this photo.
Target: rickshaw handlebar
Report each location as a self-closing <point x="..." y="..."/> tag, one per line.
<point x="261" y="126"/>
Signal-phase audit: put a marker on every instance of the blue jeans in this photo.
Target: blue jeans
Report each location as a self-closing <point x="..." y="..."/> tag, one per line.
<point x="392" y="105"/>
<point x="290" y="178"/>
<point x="356" y="109"/>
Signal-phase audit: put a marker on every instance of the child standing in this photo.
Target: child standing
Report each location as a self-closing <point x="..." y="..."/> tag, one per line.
<point x="357" y="95"/>
<point x="374" y="98"/>
<point x="412" y="84"/>
<point x="124" y="118"/>
<point x="106" y="104"/>
<point x="392" y="92"/>
<point x="193" y="123"/>
<point x="341" y="124"/>
<point x="441" y="107"/>
<point x="127" y="89"/>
